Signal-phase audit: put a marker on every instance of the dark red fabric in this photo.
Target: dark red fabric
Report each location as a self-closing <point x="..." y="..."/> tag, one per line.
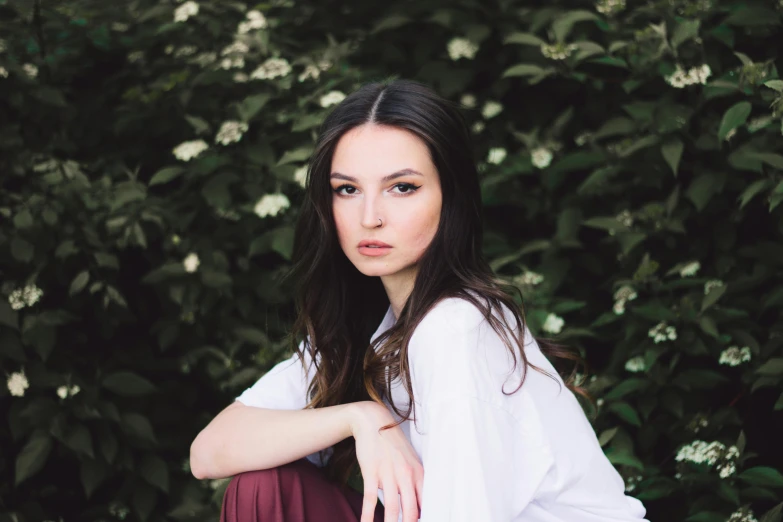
<point x="294" y="492"/>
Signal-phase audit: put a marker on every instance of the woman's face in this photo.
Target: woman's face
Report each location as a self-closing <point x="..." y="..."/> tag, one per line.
<point x="384" y="172"/>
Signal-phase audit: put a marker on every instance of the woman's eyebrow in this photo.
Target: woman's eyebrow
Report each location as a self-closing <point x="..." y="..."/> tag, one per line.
<point x="398" y="174"/>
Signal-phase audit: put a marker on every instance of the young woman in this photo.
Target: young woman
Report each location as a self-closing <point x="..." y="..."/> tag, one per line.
<point x="412" y="361"/>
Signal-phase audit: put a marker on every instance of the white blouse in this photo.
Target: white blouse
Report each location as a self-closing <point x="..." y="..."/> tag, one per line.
<point x="528" y="457"/>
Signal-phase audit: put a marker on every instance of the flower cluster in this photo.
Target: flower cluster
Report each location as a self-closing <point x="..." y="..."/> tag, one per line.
<point x="191" y="262"/>
<point x="541" y="157"/>
<point x="271" y="68"/>
<point x="30" y="70"/>
<point x="300" y="176"/>
<point x="253" y="20"/>
<point x="742" y="515"/>
<point x="734" y="355"/>
<point x="680" y="78"/>
<point x="461" y="48"/>
<point x="314" y="71"/>
<point x="699" y="421"/>
<point x="204" y="59"/>
<point x="189" y="149"/>
<point x="185" y="11"/>
<point x="27" y="296"/>
<point x="64" y="392"/>
<point x="609" y="7"/>
<point x="690" y="269"/>
<point x="491" y="109"/>
<point x="558" y="51"/>
<point x="623" y="294"/>
<point x="477" y="127"/>
<point x="230" y="132"/>
<point x="661" y="332"/>
<point x="528" y="278"/>
<point x="713" y="283"/>
<point x="271" y="205"/>
<point x="713" y="454"/>
<point x="636" y="364"/>
<point x="468" y="100"/>
<point x="553" y="324"/>
<point x="496" y="155"/>
<point x="625" y="218"/>
<point x="17" y="384"/>
<point x="3" y="72"/>
<point x="631" y="482"/>
<point x="331" y="98"/>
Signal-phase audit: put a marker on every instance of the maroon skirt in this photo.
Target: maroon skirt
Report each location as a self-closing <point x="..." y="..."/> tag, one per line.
<point x="294" y="492"/>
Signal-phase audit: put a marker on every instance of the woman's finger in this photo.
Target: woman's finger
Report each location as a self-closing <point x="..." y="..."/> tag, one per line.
<point x="410" y="508"/>
<point x="370" y="500"/>
<point x="391" y="500"/>
<point x="418" y="483"/>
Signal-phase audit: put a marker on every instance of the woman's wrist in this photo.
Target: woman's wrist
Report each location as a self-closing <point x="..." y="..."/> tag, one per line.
<point x="361" y="413"/>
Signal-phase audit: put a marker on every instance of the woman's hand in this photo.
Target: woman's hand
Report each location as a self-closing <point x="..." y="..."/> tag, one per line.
<point x="387" y="461"/>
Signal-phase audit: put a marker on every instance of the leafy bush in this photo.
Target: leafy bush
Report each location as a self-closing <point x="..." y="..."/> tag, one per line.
<point x="153" y="160"/>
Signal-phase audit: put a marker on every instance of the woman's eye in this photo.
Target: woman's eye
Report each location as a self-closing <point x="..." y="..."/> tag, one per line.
<point x="338" y="189"/>
<point x="403" y="188"/>
<point x="406" y="188"/>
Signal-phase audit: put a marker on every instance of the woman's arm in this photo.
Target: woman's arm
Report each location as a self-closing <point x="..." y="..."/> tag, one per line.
<point x="245" y="438"/>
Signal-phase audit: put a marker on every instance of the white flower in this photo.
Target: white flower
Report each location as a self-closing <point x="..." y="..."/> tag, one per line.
<point x="732" y="452"/>
<point x="204" y="59"/>
<point x="625" y="218"/>
<point x="553" y="324"/>
<point x="701" y="452"/>
<point x="236" y="62"/>
<point x="635" y="364"/>
<point x="623" y="294"/>
<point x="271" y="68"/>
<point x="310" y="71"/>
<point x="599" y="402"/>
<point x="185" y="11"/>
<point x="271" y="205"/>
<point x="27" y="296"/>
<point x="300" y="176"/>
<point x="609" y="6"/>
<point x="582" y="138"/>
<point x="680" y="78"/>
<point x="713" y="283"/>
<point x="734" y="355"/>
<point x="30" y="70"/>
<point x="188" y="150"/>
<point x="3" y="72"/>
<point x="230" y="132"/>
<point x="461" y="48"/>
<point x="528" y="277"/>
<point x="558" y="51"/>
<point x="235" y="48"/>
<point x="742" y="515"/>
<point x="254" y="20"/>
<point x="169" y="49"/>
<point x="727" y="469"/>
<point x="491" y="109"/>
<point x="191" y="262"/>
<point x="331" y="98"/>
<point x="240" y="77"/>
<point x="690" y="269"/>
<point x="62" y="392"/>
<point x="619" y="307"/>
<point x="496" y="155"/>
<point x="185" y="50"/>
<point x="17" y="384"/>
<point x="477" y="127"/>
<point x="3" y="46"/>
<point x="468" y="100"/>
<point x="661" y="332"/>
<point x="541" y="157"/>
<point x="119" y="27"/>
<point x="135" y="56"/>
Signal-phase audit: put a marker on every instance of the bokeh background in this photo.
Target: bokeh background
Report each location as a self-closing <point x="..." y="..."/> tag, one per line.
<point x="153" y="155"/>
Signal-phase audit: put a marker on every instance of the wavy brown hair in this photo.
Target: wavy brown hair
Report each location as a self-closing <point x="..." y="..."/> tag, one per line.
<point x="338" y="308"/>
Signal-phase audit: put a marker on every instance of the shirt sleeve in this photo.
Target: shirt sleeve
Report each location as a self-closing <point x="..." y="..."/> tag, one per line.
<point x="283" y="387"/>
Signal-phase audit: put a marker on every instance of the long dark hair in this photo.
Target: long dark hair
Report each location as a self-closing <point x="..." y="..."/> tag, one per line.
<point x="339" y="308"/>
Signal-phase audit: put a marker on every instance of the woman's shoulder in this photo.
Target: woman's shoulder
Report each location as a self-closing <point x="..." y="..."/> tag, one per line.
<point x="458" y="315"/>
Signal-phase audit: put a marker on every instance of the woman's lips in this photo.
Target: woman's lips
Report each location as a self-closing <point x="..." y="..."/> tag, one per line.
<point x="374" y="251"/>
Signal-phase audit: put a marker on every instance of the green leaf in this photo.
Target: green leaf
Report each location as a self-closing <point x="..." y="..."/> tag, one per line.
<point x="79" y="282"/>
<point x="251" y="105"/>
<point x="607" y="435"/>
<point x="296" y="155"/>
<point x="522" y="69"/>
<point x="752" y="190"/>
<point x="93" y="472"/>
<point x="762" y="476"/>
<point x="685" y="30"/>
<point x="143" y="500"/>
<point x="128" y="384"/>
<point x="22" y="250"/>
<point x="139" y="426"/>
<point x="199" y="124"/>
<point x="524" y="39"/>
<point x="773" y="515"/>
<point x="392" y="21"/>
<point x="775" y="84"/>
<point x="735" y="116"/>
<point x="155" y="471"/>
<point x="283" y="241"/>
<point x="771" y="159"/>
<point x="78" y="438"/>
<point x="672" y="152"/>
<point x="773" y="366"/>
<point x="626" y="412"/>
<point x="33" y="456"/>
<point x="165" y="175"/>
<point x="23" y="219"/>
<point x="562" y="26"/>
<point x="626" y="387"/>
<point x="712" y="297"/>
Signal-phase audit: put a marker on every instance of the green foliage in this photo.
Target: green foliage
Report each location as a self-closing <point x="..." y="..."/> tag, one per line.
<point x="152" y="170"/>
